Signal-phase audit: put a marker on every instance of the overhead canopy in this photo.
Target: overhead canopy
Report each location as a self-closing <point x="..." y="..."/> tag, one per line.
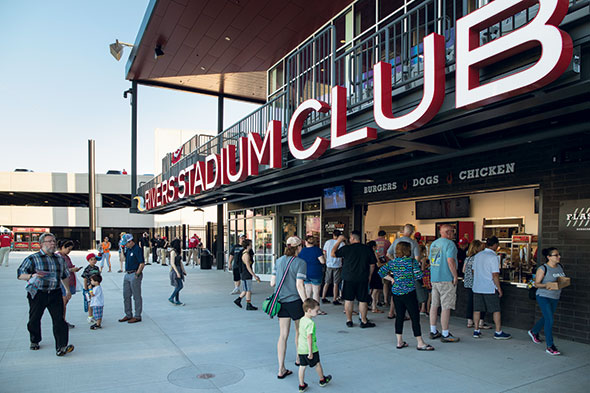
<point x="222" y="46"/>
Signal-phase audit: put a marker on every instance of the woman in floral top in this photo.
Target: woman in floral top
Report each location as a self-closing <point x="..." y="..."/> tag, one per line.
<point x="475" y="247"/>
<point x="403" y="271"/>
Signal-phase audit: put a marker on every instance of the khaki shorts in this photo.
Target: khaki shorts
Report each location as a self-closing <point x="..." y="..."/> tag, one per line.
<point x="444" y="294"/>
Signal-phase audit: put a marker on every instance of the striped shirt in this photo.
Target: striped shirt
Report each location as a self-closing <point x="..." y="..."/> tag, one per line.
<point x="403" y="276"/>
<point x="53" y="265"/>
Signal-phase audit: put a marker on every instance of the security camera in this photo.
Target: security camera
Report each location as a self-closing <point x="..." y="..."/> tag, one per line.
<point x="126" y="92"/>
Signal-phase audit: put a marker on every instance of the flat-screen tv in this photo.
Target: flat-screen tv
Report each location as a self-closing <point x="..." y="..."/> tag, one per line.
<point x="334" y="198"/>
<point x="443" y="208"/>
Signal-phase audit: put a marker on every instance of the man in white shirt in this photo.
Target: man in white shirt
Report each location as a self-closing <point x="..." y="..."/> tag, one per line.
<point x="486" y="287"/>
<point x="333" y="268"/>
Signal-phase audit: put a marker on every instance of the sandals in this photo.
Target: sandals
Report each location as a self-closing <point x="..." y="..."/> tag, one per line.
<point x="377" y="311"/>
<point x="404" y="344"/>
<point x="426" y="347"/>
<point x="470" y="325"/>
<point x="391" y="317"/>
<point x="322" y="312"/>
<point x="64" y="350"/>
<point x="286" y="374"/>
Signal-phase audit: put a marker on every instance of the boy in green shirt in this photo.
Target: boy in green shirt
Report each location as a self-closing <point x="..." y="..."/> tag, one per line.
<point x="307" y="348"/>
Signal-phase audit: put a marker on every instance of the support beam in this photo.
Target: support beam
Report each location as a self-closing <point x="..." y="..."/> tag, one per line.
<point x="133" y="208"/>
<point x="219" y="254"/>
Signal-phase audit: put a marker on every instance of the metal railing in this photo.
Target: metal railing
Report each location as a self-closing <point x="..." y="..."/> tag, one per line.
<point x="317" y="65"/>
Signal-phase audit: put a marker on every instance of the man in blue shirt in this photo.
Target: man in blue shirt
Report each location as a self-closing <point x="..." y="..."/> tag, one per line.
<point x="134" y="264"/>
<point x="443" y="275"/>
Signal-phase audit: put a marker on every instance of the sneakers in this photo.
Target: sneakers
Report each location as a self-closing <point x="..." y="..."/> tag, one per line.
<point x="71" y="326"/>
<point x="502" y="336"/>
<point x="326" y="380"/>
<point x="303" y="388"/>
<point x="476" y="334"/>
<point x="179" y="303"/>
<point x="235" y="291"/>
<point x="534" y="337"/>
<point x="483" y="325"/>
<point x="424" y="314"/>
<point x="449" y="339"/>
<point x="64" y="350"/>
<point x="349" y="324"/>
<point x="434" y="336"/>
<point x="249" y="306"/>
<point x="325" y="301"/>
<point x="369" y="324"/>
<point x="238" y="302"/>
<point x="95" y="326"/>
<point x="171" y="300"/>
<point x="336" y="303"/>
<point x="552" y="350"/>
<point x="91" y="320"/>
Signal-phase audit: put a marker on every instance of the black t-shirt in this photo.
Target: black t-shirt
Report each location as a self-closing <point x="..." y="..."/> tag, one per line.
<point x="244" y="273"/>
<point x="155" y="242"/>
<point x="356" y="262"/>
<point x="235" y="250"/>
<point x="461" y="255"/>
<point x="144" y="241"/>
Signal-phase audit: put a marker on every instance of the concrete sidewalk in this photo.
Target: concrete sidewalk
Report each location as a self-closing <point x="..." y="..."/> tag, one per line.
<point x="210" y="345"/>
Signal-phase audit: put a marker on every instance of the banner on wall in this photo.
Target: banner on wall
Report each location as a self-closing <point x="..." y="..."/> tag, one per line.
<point x="574" y="219"/>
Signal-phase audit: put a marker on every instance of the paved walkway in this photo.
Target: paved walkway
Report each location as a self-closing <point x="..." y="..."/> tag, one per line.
<point x="233" y="350"/>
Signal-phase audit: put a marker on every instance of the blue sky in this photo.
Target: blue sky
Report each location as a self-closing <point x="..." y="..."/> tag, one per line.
<point x="60" y="87"/>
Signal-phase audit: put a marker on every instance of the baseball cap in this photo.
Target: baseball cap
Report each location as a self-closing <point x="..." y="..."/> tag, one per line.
<point x="90" y="256"/>
<point x="463" y="241"/>
<point x="242" y="235"/>
<point x="418" y="235"/>
<point x="294" y="241"/>
<point x="127" y="238"/>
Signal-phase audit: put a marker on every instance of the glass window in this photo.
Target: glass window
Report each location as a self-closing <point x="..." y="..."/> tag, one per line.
<point x="263" y="245"/>
<point x="240" y="214"/>
<point x="259" y="211"/>
<point x="312" y="224"/>
<point x="311" y="206"/>
<point x="387" y="7"/>
<point x="364" y="16"/>
<point x="344" y="30"/>
<point x="269" y="210"/>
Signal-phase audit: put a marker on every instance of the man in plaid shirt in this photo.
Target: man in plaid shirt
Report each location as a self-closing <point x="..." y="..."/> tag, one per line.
<point x="49" y="269"/>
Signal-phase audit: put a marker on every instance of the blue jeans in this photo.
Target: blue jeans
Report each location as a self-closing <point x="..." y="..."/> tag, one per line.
<point x="177" y="288"/>
<point x="547" y="306"/>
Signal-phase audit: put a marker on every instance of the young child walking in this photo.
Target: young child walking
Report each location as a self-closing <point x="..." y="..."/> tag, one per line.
<point x="88" y="272"/>
<point x="307" y="348"/>
<point x="96" y="301"/>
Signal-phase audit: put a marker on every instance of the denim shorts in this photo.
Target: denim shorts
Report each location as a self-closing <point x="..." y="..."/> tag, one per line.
<point x="314" y="281"/>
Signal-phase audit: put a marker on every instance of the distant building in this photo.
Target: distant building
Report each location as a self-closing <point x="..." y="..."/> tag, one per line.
<point x="32" y="203"/>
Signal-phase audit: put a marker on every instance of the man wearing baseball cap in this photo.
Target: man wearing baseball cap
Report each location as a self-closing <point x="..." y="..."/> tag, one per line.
<point x="134" y="264"/>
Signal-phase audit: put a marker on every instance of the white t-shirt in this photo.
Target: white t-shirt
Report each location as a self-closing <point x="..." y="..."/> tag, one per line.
<point x="98" y="299"/>
<point x="485" y="263"/>
<point x="331" y="261"/>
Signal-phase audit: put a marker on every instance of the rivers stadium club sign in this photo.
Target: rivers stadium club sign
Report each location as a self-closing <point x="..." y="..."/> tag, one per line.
<point x="556" y="53"/>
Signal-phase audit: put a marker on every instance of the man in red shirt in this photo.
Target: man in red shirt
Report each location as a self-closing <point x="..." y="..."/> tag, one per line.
<point x="5" y="241"/>
<point x="193" y="245"/>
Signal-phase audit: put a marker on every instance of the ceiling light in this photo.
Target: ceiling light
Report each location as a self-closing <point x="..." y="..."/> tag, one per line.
<point x="227" y="38"/>
<point x="363" y="180"/>
<point x="46" y="201"/>
<point x="343" y="41"/>
<point x="203" y="68"/>
<point x="198" y="209"/>
<point x="117" y="49"/>
<point x="158" y="52"/>
<point x="11" y="193"/>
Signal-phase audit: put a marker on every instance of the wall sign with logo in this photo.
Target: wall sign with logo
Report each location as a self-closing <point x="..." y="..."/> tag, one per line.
<point x="574" y="219"/>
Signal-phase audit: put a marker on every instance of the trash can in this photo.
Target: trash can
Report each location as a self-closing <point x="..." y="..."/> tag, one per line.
<point x="206" y="261"/>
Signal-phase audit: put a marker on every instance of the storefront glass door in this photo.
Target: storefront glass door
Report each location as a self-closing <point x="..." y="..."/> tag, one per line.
<point x="263" y="245"/>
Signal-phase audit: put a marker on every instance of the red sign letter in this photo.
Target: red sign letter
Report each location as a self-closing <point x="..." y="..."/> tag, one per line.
<point x="267" y="152"/>
<point x="432" y="98"/>
<point x="340" y="139"/>
<point x="230" y="173"/>
<point x="296" y="125"/>
<point x="555" y="57"/>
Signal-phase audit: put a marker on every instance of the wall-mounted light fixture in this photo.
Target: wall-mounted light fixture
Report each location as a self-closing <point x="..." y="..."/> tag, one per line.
<point x="158" y="52"/>
<point x="117" y="49"/>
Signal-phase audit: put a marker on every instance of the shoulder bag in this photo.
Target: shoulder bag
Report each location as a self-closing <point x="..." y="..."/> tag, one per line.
<point x="420" y="291"/>
<point x="271" y="305"/>
<point x="533" y="289"/>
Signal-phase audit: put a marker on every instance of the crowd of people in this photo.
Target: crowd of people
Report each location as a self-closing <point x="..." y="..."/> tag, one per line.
<point x="408" y="277"/>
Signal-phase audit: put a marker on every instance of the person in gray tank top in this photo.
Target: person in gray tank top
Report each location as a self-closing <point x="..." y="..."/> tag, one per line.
<point x="547" y="298"/>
